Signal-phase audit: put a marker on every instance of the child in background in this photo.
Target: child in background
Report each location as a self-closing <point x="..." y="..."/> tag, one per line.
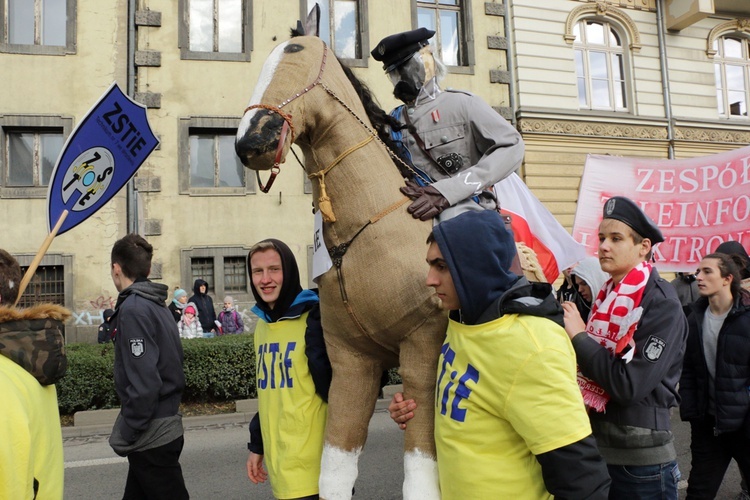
<point x="189" y="326"/>
<point x="230" y="319"/>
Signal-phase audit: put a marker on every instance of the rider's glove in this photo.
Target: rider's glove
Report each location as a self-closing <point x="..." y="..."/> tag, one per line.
<point x="428" y="202"/>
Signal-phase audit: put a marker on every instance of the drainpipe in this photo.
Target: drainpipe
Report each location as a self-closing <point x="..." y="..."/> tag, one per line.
<point x="510" y="55"/>
<point x="131" y="197"/>
<point x="660" y="28"/>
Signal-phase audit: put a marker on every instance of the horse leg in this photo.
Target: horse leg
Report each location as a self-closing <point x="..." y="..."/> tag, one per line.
<point x="351" y="402"/>
<point x="419" y="358"/>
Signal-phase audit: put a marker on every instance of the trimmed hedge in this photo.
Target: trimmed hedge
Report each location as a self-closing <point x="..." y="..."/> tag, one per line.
<point x="217" y="369"/>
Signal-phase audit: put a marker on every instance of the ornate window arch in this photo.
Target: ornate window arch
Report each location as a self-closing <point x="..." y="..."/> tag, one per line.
<point x="601" y="9"/>
<point x="736" y="26"/>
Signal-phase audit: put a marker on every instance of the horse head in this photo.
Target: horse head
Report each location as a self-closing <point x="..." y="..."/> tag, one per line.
<point x="273" y="119"/>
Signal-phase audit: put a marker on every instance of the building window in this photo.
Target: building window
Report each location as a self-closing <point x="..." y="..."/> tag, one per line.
<point x="38" y="26"/>
<point x="216" y="29"/>
<point x="52" y="280"/>
<point x="202" y="268"/>
<point x="235" y="275"/>
<point x="600" y="66"/>
<point x="47" y="286"/>
<point x="223" y="268"/>
<point x="31" y="157"/>
<point x="343" y="27"/>
<point x="732" y="72"/>
<point x="208" y="162"/>
<point x="29" y="147"/>
<point x="213" y="162"/>
<point x="451" y="25"/>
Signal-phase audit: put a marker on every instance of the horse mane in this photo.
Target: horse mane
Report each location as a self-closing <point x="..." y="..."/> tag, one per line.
<point x="381" y="121"/>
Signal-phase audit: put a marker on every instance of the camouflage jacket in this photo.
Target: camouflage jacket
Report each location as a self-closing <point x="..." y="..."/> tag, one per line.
<point x="33" y="339"/>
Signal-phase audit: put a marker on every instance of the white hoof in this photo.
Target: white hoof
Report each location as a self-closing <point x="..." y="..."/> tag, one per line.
<point x="420" y="476"/>
<point x="338" y="471"/>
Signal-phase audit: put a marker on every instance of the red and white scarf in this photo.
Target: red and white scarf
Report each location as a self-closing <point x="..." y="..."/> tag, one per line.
<point x="612" y="323"/>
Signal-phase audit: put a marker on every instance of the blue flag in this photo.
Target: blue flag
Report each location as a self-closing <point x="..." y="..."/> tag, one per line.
<point x="101" y="155"/>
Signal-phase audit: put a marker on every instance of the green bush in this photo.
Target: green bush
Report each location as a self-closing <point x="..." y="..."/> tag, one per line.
<point x="89" y="382"/>
<point x="218" y="369"/>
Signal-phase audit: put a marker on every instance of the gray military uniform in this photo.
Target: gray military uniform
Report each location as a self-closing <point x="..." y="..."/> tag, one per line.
<point x="474" y="147"/>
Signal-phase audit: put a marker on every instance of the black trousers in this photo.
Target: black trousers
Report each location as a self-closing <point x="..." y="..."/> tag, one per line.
<point x="156" y="474"/>
<point x="711" y="457"/>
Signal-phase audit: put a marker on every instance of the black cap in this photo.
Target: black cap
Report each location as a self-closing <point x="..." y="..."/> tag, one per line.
<point x="396" y="49"/>
<point x="625" y="210"/>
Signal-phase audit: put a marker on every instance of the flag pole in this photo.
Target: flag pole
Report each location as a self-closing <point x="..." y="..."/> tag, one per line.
<point x="39" y="255"/>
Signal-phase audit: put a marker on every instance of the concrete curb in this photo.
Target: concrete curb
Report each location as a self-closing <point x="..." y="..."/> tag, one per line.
<point x="99" y="422"/>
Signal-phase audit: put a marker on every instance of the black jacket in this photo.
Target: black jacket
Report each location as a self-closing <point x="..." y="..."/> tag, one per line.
<point x="205" y="305"/>
<point x="732" y="409"/>
<point x="647" y="382"/>
<point x="149" y="378"/>
<point x="643" y="390"/>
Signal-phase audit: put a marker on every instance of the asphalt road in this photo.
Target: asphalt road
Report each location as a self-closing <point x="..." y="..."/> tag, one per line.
<point x="214" y="460"/>
<point x="213" y="463"/>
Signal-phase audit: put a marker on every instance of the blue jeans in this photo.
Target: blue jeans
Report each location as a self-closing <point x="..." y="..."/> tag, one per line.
<point x="644" y="482"/>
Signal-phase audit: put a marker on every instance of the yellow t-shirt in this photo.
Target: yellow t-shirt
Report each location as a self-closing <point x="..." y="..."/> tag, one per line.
<point x="506" y="391"/>
<point x="30" y="434"/>
<point x="292" y="414"/>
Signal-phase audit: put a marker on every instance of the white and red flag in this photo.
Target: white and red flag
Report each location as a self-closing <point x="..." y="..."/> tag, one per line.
<point x="537" y="228"/>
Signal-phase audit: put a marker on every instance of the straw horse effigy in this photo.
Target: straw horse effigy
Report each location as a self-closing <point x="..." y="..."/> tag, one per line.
<point x="377" y="312"/>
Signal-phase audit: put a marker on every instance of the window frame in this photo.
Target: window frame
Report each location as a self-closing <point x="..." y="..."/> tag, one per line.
<point x="35" y="123"/>
<point x="218" y="254"/>
<point x="363" y="34"/>
<point x="721" y="62"/>
<point x="187" y="126"/>
<point x="70" y="47"/>
<point x="183" y="36"/>
<point x="624" y="50"/>
<point x="467" y="40"/>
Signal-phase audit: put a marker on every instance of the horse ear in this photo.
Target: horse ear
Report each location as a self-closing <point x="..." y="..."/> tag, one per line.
<point x="312" y="23"/>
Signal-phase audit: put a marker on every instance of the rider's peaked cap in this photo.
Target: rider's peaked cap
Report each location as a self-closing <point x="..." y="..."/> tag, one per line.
<point x="625" y="210"/>
<point x="395" y="50"/>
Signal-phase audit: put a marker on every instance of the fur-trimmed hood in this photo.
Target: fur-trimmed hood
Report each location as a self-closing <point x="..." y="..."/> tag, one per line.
<point x="32" y="338"/>
<point x="39" y="311"/>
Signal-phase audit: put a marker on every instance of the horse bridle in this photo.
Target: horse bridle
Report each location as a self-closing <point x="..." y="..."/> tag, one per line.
<point x="287" y="126"/>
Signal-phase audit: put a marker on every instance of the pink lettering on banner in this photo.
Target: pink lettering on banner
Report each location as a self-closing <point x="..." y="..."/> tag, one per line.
<point x="698" y="203"/>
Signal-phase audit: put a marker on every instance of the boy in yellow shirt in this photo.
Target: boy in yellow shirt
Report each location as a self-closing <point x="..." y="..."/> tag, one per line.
<point x="509" y="417"/>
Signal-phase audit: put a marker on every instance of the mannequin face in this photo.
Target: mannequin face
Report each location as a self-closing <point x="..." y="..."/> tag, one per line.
<point x="408" y="78"/>
<point x="429" y="63"/>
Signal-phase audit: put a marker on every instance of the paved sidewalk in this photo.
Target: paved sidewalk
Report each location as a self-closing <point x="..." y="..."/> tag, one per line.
<point x="99" y="422"/>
